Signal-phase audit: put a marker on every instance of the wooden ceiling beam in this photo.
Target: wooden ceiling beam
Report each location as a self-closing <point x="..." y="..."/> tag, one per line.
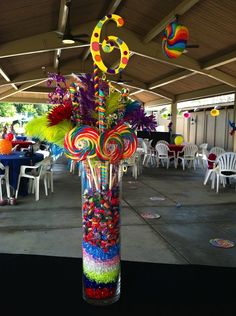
<point x="181" y="8"/>
<point x="197" y="94"/>
<point x="170" y="79"/>
<point x="202" y="93"/>
<point x="50" y="42"/>
<point x="220" y="60"/>
<point x="7" y="79"/>
<point x="23" y="87"/>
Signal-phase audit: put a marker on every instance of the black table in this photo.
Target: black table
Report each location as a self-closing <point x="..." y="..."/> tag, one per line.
<point x="52" y="285"/>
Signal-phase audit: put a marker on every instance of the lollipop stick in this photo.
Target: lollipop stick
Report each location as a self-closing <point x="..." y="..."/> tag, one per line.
<point x="110" y="177"/>
<point x="94" y="177"/>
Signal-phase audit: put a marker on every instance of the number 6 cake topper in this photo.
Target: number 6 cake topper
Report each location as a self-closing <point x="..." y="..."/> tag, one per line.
<point x="108" y="45"/>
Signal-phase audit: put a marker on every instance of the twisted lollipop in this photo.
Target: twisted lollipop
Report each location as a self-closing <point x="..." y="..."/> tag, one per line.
<point x="81" y="143"/>
<point x="129" y="138"/>
<point x="174" y="40"/>
<point x="110" y="147"/>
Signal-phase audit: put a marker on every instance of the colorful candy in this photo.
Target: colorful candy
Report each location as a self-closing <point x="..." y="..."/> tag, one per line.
<point x="101" y="238"/>
<point x="81" y="143"/>
<point x="129" y="138"/>
<point x="108" y="45"/>
<point x="110" y="147"/>
<point x="174" y="40"/>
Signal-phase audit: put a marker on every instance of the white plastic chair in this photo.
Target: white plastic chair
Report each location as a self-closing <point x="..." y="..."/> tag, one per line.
<point x="33" y="173"/>
<point x="162" y="141"/>
<point x="47" y="174"/>
<point x="217" y="151"/>
<point x="133" y="163"/>
<point x="163" y="153"/>
<point x="4" y="177"/>
<point x="189" y="155"/>
<point x="15" y="148"/>
<point x="149" y="153"/>
<point x="202" y="155"/>
<point x="226" y="168"/>
<point x="210" y="172"/>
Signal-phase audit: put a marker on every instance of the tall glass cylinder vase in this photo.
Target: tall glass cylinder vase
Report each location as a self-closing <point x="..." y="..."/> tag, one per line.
<point x="101" y="231"/>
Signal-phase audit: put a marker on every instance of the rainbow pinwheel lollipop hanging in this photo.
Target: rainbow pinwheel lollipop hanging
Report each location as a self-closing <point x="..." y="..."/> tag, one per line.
<point x="174" y="40"/>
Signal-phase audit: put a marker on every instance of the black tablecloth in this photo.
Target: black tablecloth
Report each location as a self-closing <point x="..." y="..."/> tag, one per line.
<point x="52" y="286"/>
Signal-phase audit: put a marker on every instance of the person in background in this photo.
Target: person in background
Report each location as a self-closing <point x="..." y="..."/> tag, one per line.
<point x="4" y="132"/>
<point x="12" y="130"/>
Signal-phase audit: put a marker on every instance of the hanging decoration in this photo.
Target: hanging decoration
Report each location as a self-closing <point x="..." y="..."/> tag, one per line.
<point x="233" y="128"/>
<point x="95" y="125"/>
<point x="215" y="112"/>
<point x="186" y="115"/>
<point x="174" y="40"/>
<point x="108" y="45"/>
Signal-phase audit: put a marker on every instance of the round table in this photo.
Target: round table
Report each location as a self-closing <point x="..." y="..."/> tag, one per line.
<point x="21" y="144"/>
<point x="175" y="148"/>
<point x="15" y="160"/>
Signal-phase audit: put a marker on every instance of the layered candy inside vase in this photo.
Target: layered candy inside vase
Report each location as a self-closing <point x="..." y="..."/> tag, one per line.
<point x="101" y="194"/>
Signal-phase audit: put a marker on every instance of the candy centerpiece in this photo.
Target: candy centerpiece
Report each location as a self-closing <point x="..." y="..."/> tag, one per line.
<point x="93" y="125"/>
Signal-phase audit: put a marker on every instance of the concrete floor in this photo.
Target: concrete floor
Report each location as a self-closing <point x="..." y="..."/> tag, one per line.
<point x="191" y="214"/>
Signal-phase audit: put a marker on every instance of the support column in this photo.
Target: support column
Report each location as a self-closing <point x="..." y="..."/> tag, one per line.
<point x="234" y="120"/>
<point x="174" y="116"/>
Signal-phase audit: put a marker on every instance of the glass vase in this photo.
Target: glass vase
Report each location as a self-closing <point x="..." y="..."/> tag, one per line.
<point x="101" y="189"/>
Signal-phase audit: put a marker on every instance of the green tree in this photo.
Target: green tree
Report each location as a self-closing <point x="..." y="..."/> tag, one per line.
<point x="41" y="108"/>
<point x="7" y="109"/>
<point x="28" y="109"/>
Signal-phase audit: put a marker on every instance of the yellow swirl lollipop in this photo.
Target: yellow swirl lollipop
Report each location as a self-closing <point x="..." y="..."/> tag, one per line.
<point x="108" y="45"/>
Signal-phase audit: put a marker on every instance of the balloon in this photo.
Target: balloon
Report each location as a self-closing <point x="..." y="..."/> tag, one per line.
<point x="5" y="146"/>
<point x="215" y="112"/>
<point x="9" y="136"/>
<point x="179" y="140"/>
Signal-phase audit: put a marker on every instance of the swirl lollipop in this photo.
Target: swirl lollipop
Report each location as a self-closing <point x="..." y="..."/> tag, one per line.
<point x="81" y="142"/>
<point x="174" y="40"/>
<point x="110" y="147"/>
<point x="129" y="138"/>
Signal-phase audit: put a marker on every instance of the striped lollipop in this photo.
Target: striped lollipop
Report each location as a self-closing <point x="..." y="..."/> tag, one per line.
<point x="81" y="143"/>
<point x="110" y="147"/>
<point x="129" y="138"/>
<point x="174" y="40"/>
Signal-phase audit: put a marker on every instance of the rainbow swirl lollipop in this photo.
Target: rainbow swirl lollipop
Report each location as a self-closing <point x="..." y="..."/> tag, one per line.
<point x="174" y="40"/>
<point x="81" y="143"/>
<point x="129" y="138"/>
<point x="110" y="147"/>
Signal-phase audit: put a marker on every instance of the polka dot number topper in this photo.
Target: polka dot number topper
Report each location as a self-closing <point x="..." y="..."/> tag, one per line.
<point x="108" y="45"/>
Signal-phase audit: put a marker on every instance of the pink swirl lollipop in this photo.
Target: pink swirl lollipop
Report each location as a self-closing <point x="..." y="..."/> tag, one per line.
<point x="81" y="143"/>
<point x="110" y="147"/>
<point x="129" y="138"/>
<point x="174" y="40"/>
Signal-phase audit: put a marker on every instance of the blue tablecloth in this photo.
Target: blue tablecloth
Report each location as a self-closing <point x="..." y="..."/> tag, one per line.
<point x="15" y="161"/>
<point x="21" y="138"/>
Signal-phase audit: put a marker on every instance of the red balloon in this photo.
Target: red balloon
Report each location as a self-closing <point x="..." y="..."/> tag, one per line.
<point x="9" y="136"/>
